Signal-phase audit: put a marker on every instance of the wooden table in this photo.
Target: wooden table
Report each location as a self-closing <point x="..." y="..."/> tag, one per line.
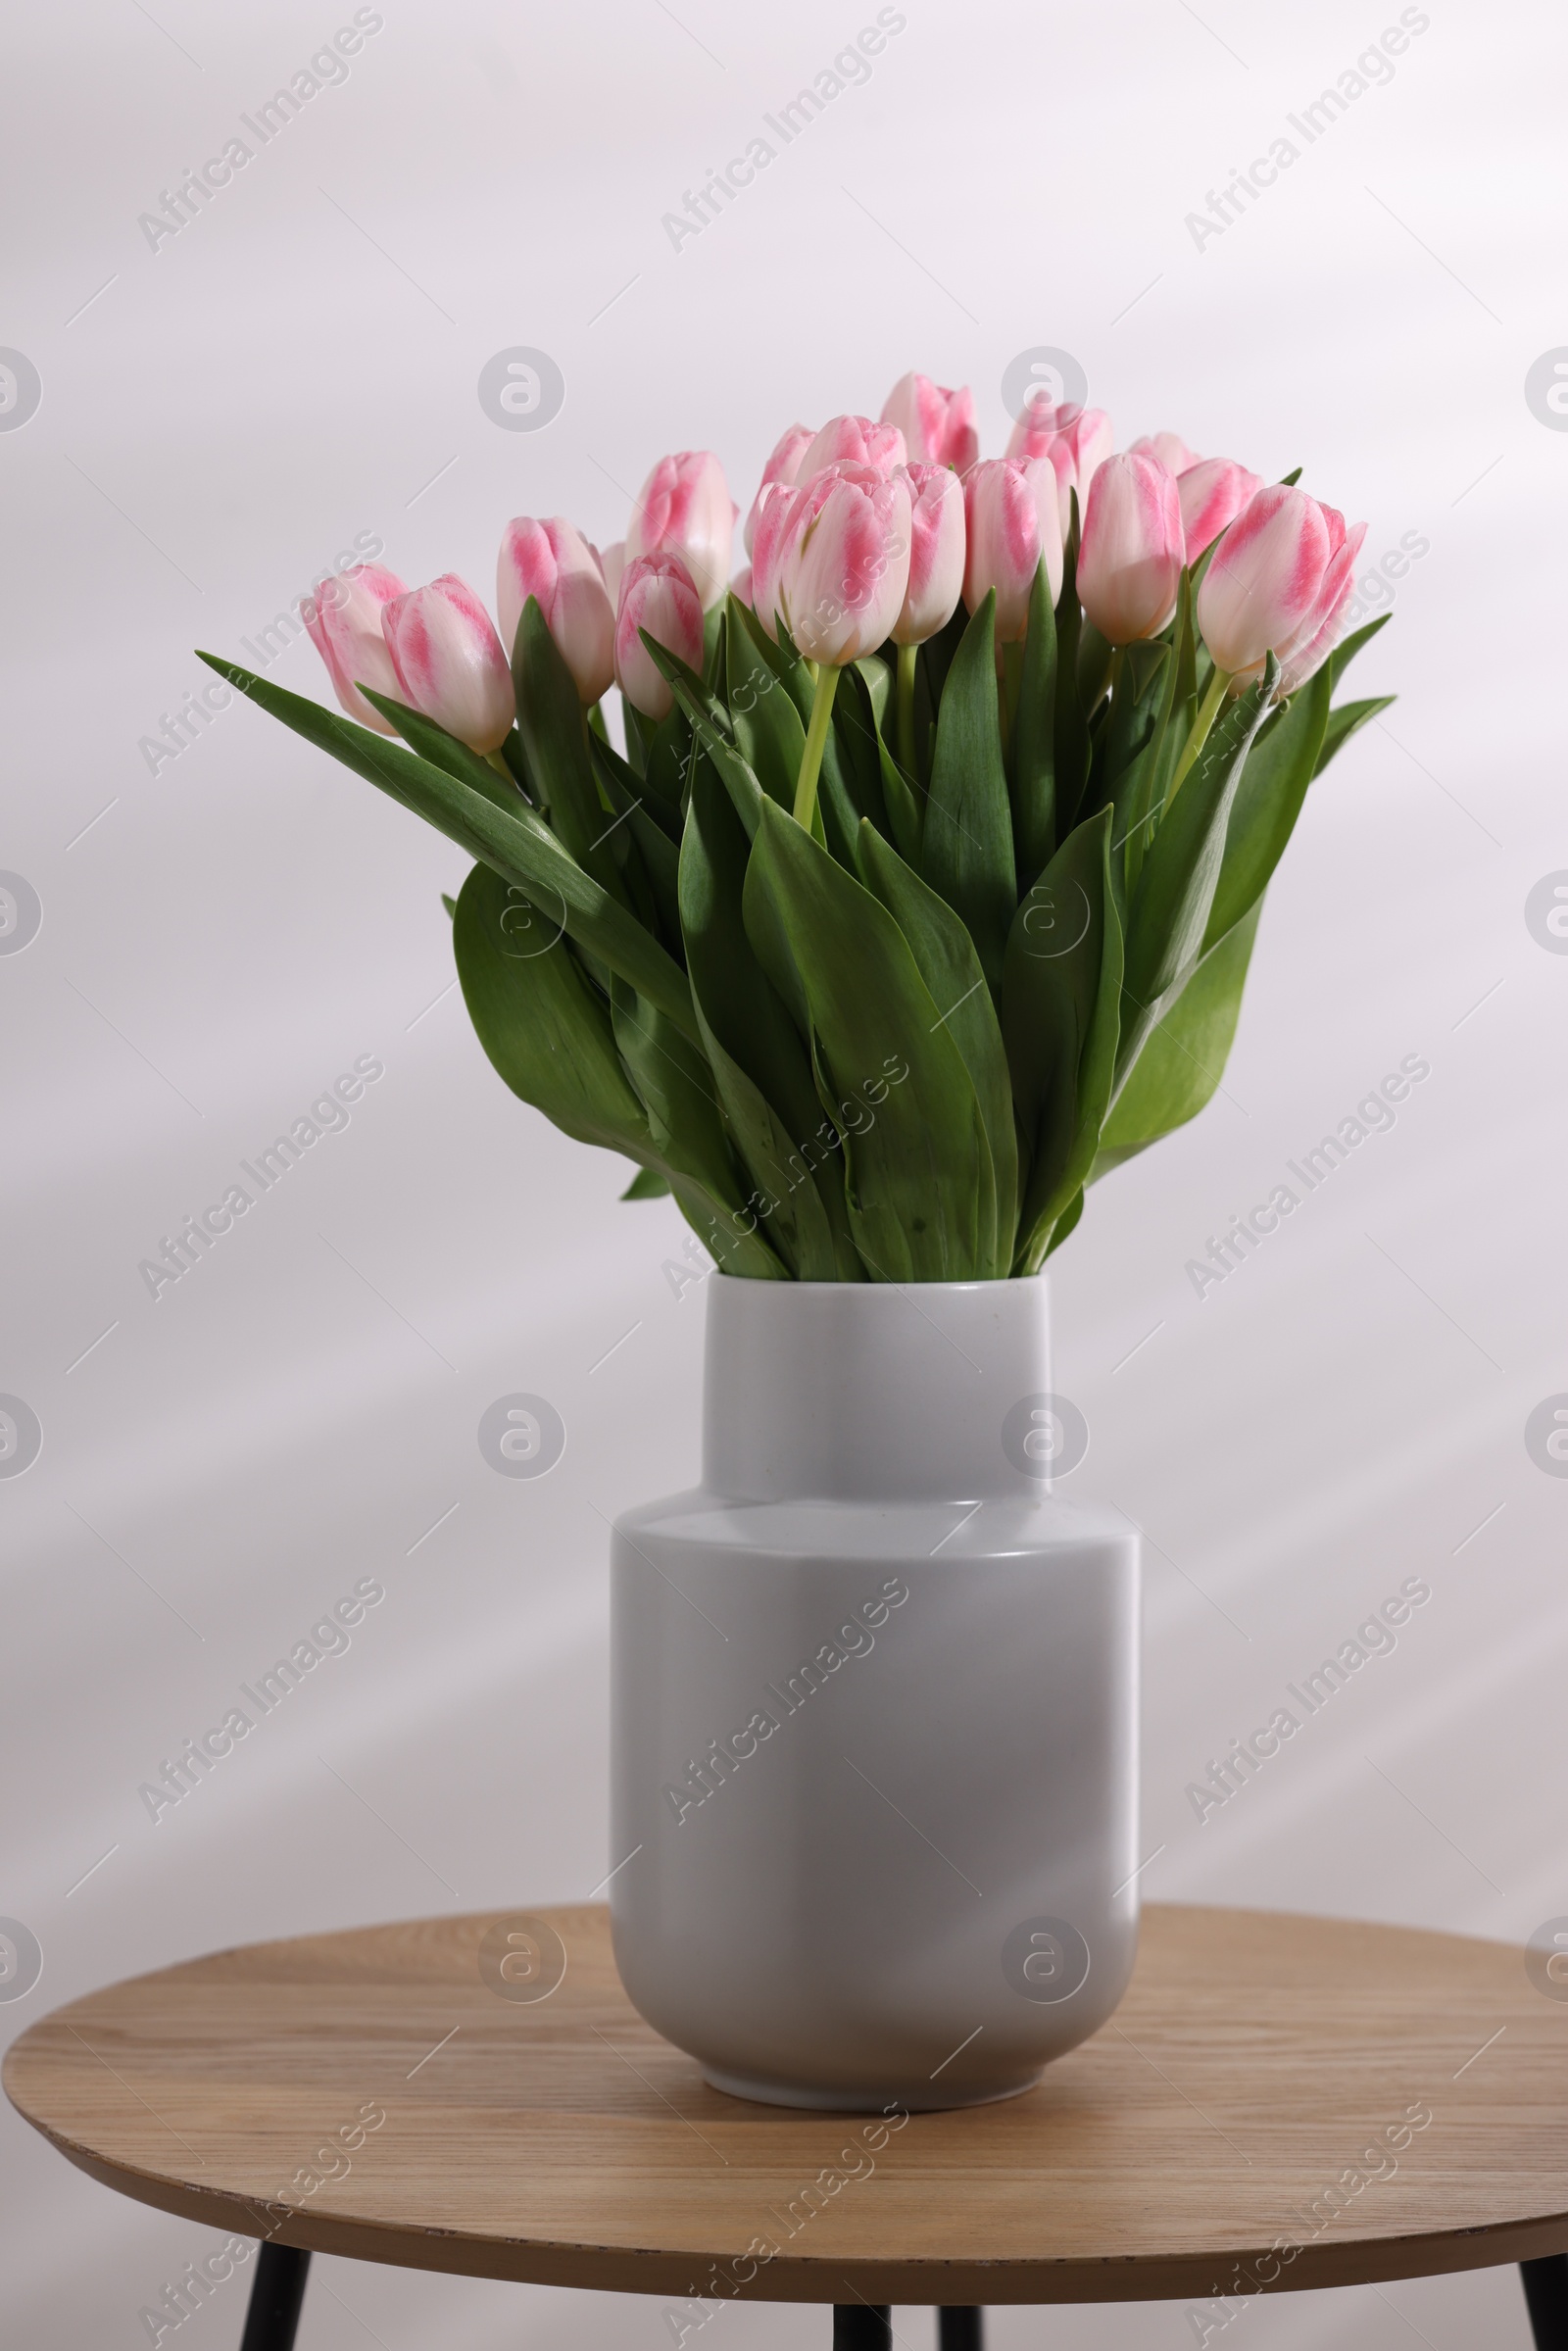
<point x="1280" y="2103"/>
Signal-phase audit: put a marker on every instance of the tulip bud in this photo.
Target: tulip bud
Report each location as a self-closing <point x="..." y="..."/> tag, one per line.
<point x="740" y="587"/>
<point x="554" y="563"/>
<point x="1212" y="493"/>
<point x="1319" y="632"/>
<point x="854" y="441"/>
<point x="344" y="619"/>
<point x="783" y="466"/>
<point x="449" y="662"/>
<point x="1013" y="518"/>
<point x="1077" y="441"/>
<point x="685" y="509"/>
<point x="935" y="553"/>
<point x="612" y="560"/>
<point x="842" y="564"/>
<point x="1169" y="446"/>
<point x="938" y="425"/>
<point x="1265" y="578"/>
<point x="1130" y="560"/>
<point x="658" y="595"/>
<point x="773" y="502"/>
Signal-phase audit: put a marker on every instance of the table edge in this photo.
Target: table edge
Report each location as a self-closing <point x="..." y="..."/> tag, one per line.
<point x="824" y="2279"/>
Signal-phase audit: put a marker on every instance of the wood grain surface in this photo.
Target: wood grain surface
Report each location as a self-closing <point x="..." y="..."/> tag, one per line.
<point x="1250" y="2118"/>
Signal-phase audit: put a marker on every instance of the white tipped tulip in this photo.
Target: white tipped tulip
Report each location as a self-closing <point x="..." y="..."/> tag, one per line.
<point x="1077" y="441"/>
<point x="612" y="563"/>
<point x="844" y="564"/>
<point x="1212" y="493"/>
<point x="1265" y="576"/>
<point x="657" y="594"/>
<point x="554" y="564"/>
<point x="1319" y="632"/>
<point x="854" y="441"/>
<point x="1169" y="446"/>
<point x="938" y="425"/>
<point x="1130" y="560"/>
<point x="935" y="553"/>
<point x="783" y="466"/>
<point x="344" y="619"/>
<point x="773" y="502"/>
<point x="685" y="508"/>
<point x="449" y="662"/>
<point x="1013" y="518"/>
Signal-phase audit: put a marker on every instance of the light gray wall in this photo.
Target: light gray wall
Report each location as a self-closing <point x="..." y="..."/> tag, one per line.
<point x="222" y="937"/>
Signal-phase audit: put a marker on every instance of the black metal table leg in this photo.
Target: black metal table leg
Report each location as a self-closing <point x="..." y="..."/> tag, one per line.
<point x="1546" y="2299"/>
<point x="960" y="2328"/>
<point x="862" y="2326"/>
<point x="277" y="2290"/>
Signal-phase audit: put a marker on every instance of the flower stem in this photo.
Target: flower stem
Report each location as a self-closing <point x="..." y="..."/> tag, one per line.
<point x="827" y="678"/>
<point x="907" y="656"/>
<point x="493" y="758"/>
<point x="1210" y="705"/>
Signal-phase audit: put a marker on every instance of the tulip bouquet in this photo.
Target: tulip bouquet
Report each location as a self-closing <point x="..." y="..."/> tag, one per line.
<point x="923" y="891"/>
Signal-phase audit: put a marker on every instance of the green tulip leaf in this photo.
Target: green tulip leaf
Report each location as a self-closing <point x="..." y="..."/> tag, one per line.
<point x="1347" y="720"/>
<point x="715" y="730"/>
<point x="1344" y="653"/>
<point x="1071" y="748"/>
<point x="1168" y="911"/>
<point x="1033" y="761"/>
<point x="919" y="1165"/>
<point x="1268" y="798"/>
<point x="675" y="1085"/>
<point x="760" y="1063"/>
<point x="1060" y="1011"/>
<point x="546" y="1029"/>
<point x="967" y="854"/>
<point x="946" y="958"/>
<point x="1184" y="1055"/>
<point x="556" y="742"/>
<point x="514" y="842"/>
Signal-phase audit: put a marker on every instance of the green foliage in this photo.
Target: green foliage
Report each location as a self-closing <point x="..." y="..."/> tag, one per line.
<point x="1008" y="956"/>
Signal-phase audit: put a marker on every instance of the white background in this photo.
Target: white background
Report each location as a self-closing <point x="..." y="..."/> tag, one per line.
<point x="225" y="937"/>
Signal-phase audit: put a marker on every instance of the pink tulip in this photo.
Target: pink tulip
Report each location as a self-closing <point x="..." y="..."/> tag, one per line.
<point x="612" y="561"/>
<point x="1169" y="446"/>
<point x="740" y="587"/>
<point x="685" y="508"/>
<point x="1130" y="560"/>
<point x="554" y="564"/>
<point x="1319" y="632"/>
<point x="938" y="425"/>
<point x="344" y="619"/>
<point x="783" y="466"/>
<point x="935" y="553"/>
<point x="1212" y="493"/>
<point x="842" y="561"/>
<point x="1077" y="441"/>
<point x="773" y="502"/>
<point x="657" y="594"/>
<point x="854" y="441"/>
<point x="1013" y="518"/>
<point x="449" y="662"/>
<point x="1263" y="590"/>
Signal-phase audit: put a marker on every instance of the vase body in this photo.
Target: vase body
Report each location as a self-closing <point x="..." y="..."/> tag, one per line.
<point x="874" y="1773"/>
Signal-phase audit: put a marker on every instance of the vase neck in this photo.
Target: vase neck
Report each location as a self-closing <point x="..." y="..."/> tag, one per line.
<point x="875" y="1392"/>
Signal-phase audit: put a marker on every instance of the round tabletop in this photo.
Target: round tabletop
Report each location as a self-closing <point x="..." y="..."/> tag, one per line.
<point x="1278" y="2102"/>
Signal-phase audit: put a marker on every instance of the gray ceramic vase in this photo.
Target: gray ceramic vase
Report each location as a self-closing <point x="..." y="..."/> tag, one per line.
<point x="875" y="1708"/>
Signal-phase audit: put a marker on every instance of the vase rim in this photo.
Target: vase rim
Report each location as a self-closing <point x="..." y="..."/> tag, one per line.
<point x="1025" y="1281"/>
